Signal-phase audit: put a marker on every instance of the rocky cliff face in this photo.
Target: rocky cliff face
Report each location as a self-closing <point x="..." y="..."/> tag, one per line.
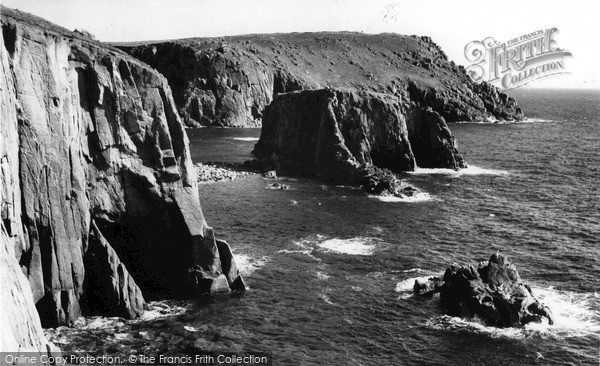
<point x="343" y="135"/>
<point x="99" y="199"/>
<point x="229" y="81"/>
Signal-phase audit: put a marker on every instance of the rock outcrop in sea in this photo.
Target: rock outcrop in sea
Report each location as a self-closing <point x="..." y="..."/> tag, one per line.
<point x="229" y="81"/>
<point x="493" y="291"/>
<point x="354" y="137"/>
<point x="99" y="199"/>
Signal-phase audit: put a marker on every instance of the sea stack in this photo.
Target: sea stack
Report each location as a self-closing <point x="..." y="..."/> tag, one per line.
<point x="350" y="136"/>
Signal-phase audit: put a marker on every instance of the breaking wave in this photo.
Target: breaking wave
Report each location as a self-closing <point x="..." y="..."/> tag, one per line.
<point x="471" y="170"/>
<point x="419" y="197"/>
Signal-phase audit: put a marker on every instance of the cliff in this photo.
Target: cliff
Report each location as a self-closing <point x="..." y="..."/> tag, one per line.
<point x="229" y="81"/>
<point x="99" y="199"/>
<point x="350" y="136"/>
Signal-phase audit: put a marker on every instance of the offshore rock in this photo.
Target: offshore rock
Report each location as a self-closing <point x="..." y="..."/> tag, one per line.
<point x="229" y="81"/>
<point x="354" y="137"/>
<point x="494" y="292"/>
<point x="99" y="197"/>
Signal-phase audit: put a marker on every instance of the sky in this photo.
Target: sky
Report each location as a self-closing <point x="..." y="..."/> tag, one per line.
<point x="451" y="24"/>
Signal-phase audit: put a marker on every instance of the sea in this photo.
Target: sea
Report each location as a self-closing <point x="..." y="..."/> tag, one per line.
<point x="330" y="268"/>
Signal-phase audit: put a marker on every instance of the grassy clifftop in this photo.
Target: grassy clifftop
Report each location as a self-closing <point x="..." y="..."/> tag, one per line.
<point x="229" y="80"/>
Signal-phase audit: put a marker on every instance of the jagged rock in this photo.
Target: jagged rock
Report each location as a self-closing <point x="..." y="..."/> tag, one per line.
<point x="97" y="180"/>
<point x="271" y="174"/>
<point x="351" y="136"/>
<point x="230" y="85"/>
<point x="278" y="186"/>
<point x="428" y="286"/>
<point x="494" y="292"/>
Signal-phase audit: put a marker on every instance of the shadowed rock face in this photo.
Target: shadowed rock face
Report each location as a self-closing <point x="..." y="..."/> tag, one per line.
<point x="343" y="135"/>
<point x="99" y="198"/>
<point x="493" y="291"/>
<point x="229" y="81"/>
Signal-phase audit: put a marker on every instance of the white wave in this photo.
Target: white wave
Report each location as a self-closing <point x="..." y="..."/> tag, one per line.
<point x="494" y="121"/>
<point x="248" y="264"/>
<point x="245" y="138"/>
<point x="162" y="309"/>
<point x="325" y="298"/>
<point x="412" y="270"/>
<point x="303" y="247"/>
<point x="322" y="276"/>
<point x="575" y="315"/>
<point x="419" y="197"/>
<point x="307" y="252"/>
<point x="408" y="284"/>
<point x="352" y="246"/>
<point x="535" y="120"/>
<point x="471" y="170"/>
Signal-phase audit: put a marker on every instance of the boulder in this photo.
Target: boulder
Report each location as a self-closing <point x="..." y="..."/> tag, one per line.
<point x="493" y="291"/>
<point x="428" y="287"/>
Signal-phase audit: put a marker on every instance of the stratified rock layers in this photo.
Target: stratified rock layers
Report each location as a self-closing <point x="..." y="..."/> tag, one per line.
<point x="95" y="167"/>
<point x="229" y="81"/>
<point x="341" y="134"/>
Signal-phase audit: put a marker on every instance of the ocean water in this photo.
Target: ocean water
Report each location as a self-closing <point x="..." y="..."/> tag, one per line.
<point x="330" y="269"/>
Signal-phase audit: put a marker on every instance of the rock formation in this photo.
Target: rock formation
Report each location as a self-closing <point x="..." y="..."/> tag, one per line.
<point x="494" y="292"/>
<point x="99" y="197"/>
<point x="229" y="81"/>
<point x="350" y="136"/>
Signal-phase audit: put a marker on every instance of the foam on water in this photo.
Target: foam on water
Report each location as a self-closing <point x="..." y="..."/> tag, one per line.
<point x="322" y="276"/>
<point x="323" y="296"/>
<point x="419" y="197"/>
<point x="352" y="246"/>
<point x="358" y="245"/>
<point x="575" y="315"/>
<point x="535" y="120"/>
<point x="494" y="121"/>
<point x="471" y="170"/>
<point x="162" y="309"/>
<point x="408" y="284"/>
<point x="245" y="138"/>
<point x="248" y="264"/>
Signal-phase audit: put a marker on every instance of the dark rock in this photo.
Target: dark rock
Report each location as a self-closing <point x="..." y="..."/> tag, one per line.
<point x="428" y="287"/>
<point x="99" y="196"/>
<point x="278" y="186"/>
<point x="494" y="292"/>
<point x="354" y="137"/>
<point x="231" y="86"/>
<point x="271" y="174"/>
<point x="110" y="289"/>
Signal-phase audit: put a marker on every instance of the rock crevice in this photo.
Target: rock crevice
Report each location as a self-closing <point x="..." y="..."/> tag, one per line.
<point x="98" y="188"/>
